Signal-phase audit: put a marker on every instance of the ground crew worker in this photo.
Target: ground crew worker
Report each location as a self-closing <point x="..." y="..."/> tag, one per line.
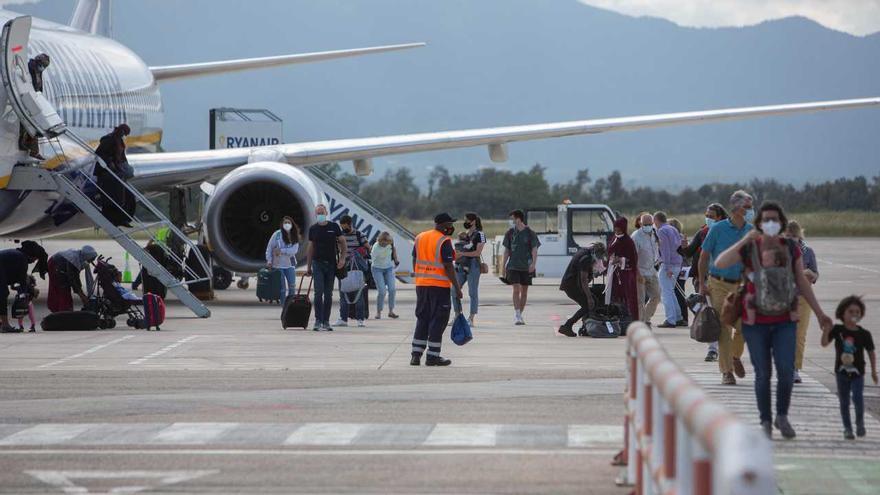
<point x="434" y="273"/>
<point x="26" y="142"/>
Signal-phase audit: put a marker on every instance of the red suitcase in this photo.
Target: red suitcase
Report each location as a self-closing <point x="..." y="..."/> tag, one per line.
<point x="154" y="311"/>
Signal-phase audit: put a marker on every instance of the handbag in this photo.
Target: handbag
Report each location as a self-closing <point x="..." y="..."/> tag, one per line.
<point x="353" y="281"/>
<point x="461" y="330"/>
<point x="484" y="268"/>
<point x="706" y="327"/>
<point x="732" y="306"/>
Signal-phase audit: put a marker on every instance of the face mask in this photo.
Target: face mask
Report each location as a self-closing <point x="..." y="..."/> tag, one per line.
<point x="511" y="223"/>
<point x="450" y="230"/>
<point x="647" y="228"/>
<point x="287" y="227"/>
<point x="321" y="218"/>
<point x="750" y="215"/>
<point x="618" y="235"/>
<point x="771" y="227"/>
<point x="710" y="221"/>
<point x="467" y="225"/>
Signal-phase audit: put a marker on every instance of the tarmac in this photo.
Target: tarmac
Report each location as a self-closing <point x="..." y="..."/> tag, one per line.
<point x="235" y="404"/>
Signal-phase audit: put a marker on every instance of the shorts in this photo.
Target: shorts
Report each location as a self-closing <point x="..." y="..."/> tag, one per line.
<point x="520" y="277"/>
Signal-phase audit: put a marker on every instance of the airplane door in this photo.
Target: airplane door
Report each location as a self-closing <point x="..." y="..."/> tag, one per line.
<point x="33" y="109"/>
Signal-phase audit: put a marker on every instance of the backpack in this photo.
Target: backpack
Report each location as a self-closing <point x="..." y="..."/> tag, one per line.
<point x="775" y="287"/>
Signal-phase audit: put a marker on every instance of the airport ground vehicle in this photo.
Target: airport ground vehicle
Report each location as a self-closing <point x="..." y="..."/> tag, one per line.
<point x="562" y="230"/>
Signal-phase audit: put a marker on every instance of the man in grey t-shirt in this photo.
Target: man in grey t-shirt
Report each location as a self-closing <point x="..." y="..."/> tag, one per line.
<point x="520" y="258"/>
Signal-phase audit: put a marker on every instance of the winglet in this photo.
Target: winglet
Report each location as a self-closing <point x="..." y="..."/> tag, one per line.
<point x="169" y="72"/>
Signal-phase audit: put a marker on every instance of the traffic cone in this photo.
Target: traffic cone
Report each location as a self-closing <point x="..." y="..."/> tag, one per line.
<point x="126" y="273"/>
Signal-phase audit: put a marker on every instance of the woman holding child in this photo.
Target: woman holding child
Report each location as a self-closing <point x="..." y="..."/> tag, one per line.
<point x="774" y="274"/>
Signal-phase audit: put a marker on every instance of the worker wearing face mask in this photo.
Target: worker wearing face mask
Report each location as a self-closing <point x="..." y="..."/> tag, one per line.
<point x="434" y="273"/>
<point x="281" y="253"/>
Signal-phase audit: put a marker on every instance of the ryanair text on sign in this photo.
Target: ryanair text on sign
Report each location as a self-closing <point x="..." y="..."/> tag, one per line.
<point x="247" y="142"/>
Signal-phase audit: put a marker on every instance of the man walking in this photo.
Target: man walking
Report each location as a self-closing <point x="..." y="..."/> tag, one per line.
<point x="670" y="266"/>
<point x="520" y="258"/>
<point x="357" y="247"/>
<point x="326" y="254"/>
<point x="722" y="282"/>
<point x="434" y="273"/>
<point x="649" y="257"/>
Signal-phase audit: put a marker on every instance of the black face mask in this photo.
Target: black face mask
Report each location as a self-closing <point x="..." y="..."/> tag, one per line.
<point x="346" y="229"/>
<point x="467" y="225"/>
<point x="450" y="230"/>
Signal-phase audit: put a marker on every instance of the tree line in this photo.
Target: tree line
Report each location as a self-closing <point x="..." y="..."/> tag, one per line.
<point x="493" y="192"/>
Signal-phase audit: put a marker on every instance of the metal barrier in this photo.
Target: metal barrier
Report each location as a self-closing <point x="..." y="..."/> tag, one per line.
<point x="680" y="441"/>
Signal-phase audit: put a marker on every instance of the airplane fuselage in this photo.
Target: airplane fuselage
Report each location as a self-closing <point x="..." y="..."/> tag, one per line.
<point x="95" y="84"/>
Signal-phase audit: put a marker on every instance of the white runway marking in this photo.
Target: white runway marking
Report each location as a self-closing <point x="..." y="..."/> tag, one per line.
<point x="470" y="435"/>
<point x="86" y="352"/>
<point x="165" y="349"/>
<point x="66" y="480"/>
<point x="325" y="434"/>
<point x="46" y="434"/>
<point x="310" y="452"/>
<point x="587" y="435"/>
<point x="851" y="267"/>
<point x="192" y="433"/>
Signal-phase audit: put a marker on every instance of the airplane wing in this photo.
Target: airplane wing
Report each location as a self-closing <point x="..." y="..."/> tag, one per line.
<point x="159" y="170"/>
<point x="169" y="72"/>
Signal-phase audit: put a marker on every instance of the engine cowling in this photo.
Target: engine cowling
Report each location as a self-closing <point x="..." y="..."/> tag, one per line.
<point x="246" y="207"/>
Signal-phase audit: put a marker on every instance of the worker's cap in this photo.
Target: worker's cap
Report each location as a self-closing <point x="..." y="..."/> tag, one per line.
<point x="443" y="218"/>
<point x="89" y="253"/>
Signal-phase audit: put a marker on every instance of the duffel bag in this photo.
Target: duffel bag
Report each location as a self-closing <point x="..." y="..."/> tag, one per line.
<point x="70" y="321"/>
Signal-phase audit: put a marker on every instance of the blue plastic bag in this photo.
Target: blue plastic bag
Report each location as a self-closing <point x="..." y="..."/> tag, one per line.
<point x="461" y="330"/>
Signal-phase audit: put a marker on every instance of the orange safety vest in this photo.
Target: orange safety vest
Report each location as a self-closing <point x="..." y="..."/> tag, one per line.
<point x="429" y="271"/>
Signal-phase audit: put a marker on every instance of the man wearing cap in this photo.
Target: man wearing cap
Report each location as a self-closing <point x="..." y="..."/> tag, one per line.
<point x="434" y="273"/>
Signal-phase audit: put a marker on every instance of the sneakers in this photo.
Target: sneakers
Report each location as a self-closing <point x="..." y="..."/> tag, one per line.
<point x="32" y="330"/>
<point x="471" y="321"/>
<point x="566" y="330"/>
<point x="728" y="379"/>
<point x="768" y="429"/>
<point x="361" y="323"/>
<point x="682" y="323"/>
<point x="326" y="327"/>
<point x="415" y="360"/>
<point x="711" y="356"/>
<point x="848" y="435"/>
<point x="318" y="326"/>
<point x="797" y="377"/>
<point x="437" y="361"/>
<point x="518" y="319"/>
<point x="860" y="431"/>
<point x="378" y="316"/>
<point x="666" y="324"/>
<point x="341" y="323"/>
<point x="738" y="368"/>
<point x="784" y="427"/>
<point x="392" y="315"/>
<point x="10" y="329"/>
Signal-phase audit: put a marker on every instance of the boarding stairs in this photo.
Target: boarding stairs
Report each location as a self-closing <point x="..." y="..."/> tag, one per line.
<point x="74" y="181"/>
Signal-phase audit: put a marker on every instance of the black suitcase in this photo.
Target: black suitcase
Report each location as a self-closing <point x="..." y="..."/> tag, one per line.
<point x="352" y="308"/>
<point x="297" y="308"/>
<point x="70" y="321"/>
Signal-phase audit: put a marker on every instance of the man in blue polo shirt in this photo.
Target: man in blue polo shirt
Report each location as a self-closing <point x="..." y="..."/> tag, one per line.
<point x="722" y="282"/>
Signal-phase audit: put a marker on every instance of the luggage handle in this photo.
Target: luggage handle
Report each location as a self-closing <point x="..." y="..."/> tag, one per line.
<point x="309" y="290"/>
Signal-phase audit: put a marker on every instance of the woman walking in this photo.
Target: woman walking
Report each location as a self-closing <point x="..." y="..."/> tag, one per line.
<point x="468" y="264"/>
<point x="281" y="253"/>
<point x="385" y="260"/>
<point x="774" y="270"/>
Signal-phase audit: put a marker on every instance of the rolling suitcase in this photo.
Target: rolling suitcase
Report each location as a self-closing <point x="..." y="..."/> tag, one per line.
<point x="269" y="281"/>
<point x="352" y="307"/>
<point x="297" y="308"/>
<point x="154" y="311"/>
<point x="70" y="321"/>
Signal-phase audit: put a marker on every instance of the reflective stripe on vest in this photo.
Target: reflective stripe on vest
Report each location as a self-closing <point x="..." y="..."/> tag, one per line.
<point x="429" y="269"/>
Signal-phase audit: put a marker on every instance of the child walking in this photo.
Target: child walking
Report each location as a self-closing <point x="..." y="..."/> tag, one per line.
<point x="850" y="343"/>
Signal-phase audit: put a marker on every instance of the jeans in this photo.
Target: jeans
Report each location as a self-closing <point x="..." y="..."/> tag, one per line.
<point x="290" y="277"/>
<point x="359" y="309"/>
<point x="385" y="282"/>
<point x="472" y="280"/>
<point x="772" y="342"/>
<point x="667" y="293"/>
<point x="847" y="385"/>
<point x="323" y="272"/>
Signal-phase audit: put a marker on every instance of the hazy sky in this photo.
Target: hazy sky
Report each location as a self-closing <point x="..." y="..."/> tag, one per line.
<point x="858" y="17"/>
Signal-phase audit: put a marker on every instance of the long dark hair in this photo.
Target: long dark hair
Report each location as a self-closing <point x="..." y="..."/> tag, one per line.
<point x="719" y="210"/>
<point x="291" y="237"/>
<point x="475" y="219"/>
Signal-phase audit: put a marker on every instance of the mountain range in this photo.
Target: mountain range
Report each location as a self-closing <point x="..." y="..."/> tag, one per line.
<point x="503" y="62"/>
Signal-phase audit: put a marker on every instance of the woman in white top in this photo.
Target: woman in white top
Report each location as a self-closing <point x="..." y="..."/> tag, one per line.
<point x="384" y="262"/>
<point x="281" y="253"/>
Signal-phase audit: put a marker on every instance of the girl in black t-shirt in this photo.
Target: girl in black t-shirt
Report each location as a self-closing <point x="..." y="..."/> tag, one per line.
<point x="850" y="343"/>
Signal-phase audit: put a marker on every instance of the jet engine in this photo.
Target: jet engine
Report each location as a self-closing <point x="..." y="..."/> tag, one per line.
<point x="247" y="206"/>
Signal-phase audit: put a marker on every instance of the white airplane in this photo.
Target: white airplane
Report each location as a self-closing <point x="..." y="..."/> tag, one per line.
<point x="95" y="83"/>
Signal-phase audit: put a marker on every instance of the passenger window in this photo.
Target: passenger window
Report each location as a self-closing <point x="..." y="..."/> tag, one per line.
<point x="590" y="222"/>
<point x="542" y="222"/>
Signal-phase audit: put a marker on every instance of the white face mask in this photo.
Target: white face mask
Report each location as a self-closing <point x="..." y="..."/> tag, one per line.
<point x="287" y="226"/>
<point x="511" y="223"/>
<point x="647" y="228"/>
<point x="771" y="227"/>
